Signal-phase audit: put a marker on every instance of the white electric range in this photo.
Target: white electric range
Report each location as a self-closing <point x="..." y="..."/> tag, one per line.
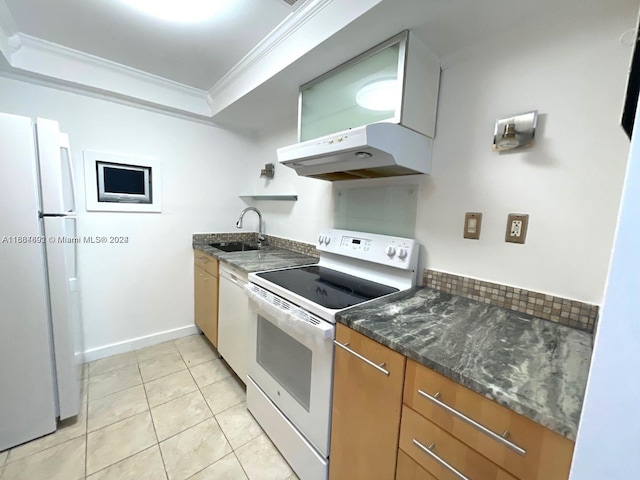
<point x="292" y="330"/>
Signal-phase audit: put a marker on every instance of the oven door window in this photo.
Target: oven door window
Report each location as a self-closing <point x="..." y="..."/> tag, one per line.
<point x="286" y="360"/>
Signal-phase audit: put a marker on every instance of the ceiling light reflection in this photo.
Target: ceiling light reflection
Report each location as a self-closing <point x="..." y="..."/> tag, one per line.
<point x="180" y="11"/>
<point x="381" y="95"/>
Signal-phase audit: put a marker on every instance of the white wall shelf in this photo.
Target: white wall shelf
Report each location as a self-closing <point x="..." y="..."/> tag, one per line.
<point x="289" y="197"/>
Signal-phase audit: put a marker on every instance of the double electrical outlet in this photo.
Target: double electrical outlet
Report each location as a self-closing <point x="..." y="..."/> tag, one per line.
<point x="516" y="226"/>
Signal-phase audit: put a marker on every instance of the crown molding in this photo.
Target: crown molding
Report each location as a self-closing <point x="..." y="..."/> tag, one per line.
<point x="283" y="31"/>
<point x="37" y="56"/>
<point x="64" y="86"/>
<point x="306" y="28"/>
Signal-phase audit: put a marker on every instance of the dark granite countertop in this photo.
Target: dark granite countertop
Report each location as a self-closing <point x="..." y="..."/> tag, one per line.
<point x="267" y="258"/>
<point x="532" y="366"/>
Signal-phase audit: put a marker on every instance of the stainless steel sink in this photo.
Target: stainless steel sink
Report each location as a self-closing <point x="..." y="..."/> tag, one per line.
<point x="235" y="246"/>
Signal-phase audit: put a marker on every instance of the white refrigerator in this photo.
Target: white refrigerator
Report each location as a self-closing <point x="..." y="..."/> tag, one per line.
<point x="39" y="297"/>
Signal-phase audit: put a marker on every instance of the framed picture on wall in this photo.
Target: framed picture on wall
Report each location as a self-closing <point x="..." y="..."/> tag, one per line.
<point x="119" y="183"/>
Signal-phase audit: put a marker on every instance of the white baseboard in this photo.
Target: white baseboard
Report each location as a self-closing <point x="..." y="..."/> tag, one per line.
<point x="135" y="343"/>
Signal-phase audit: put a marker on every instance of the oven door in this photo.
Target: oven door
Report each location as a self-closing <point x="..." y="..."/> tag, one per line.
<point x="291" y="360"/>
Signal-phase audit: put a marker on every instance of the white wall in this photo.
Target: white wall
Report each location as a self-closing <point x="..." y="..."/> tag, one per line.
<point x="301" y="220"/>
<point x="574" y="72"/>
<point x="609" y="434"/>
<point x="145" y="287"/>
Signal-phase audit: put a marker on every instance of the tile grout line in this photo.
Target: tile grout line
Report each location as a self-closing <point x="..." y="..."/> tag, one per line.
<point x="114" y="369"/>
<point x="143" y="384"/>
<point x="86" y="423"/>
<point x="86" y="428"/>
<point x="141" y="378"/>
<point x="119" y="420"/>
<point x="210" y="411"/>
<point x="239" y="462"/>
<point x="153" y="423"/>
<point x="139" y="413"/>
<point x="233" y="450"/>
<point x="125" y="458"/>
<point x="116" y="391"/>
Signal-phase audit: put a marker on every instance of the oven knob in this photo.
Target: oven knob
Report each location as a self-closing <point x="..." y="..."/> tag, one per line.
<point x="402" y="253"/>
<point x="390" y="251"/>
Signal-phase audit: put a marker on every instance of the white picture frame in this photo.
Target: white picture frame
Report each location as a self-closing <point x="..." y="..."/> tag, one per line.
<point x="91" y="183"/>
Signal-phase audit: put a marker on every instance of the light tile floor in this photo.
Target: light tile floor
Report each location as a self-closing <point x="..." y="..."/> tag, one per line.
<point x="171" y="411"/>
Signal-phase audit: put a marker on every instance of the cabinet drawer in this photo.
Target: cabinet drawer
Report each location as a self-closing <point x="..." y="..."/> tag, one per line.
<point x="530" y="452"/>
<point x="408" y="469"/>
<point x="205" y="261"/>
<point x="442" y="455"/>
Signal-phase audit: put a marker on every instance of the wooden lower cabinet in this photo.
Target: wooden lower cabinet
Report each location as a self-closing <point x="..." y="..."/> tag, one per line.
<point x="387" y="426"/>
<point x="408" y="469"/>
<point x="542" y="455"/>
<point x="205" y="274"/>
<point x="443" y="455"/>
<point x="366" y="409"/>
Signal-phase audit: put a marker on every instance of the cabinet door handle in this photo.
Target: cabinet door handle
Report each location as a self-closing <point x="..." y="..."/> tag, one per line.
<point x="380" y="368"/>
<point x="429" y="451"/>
<point x="498" y="438"/>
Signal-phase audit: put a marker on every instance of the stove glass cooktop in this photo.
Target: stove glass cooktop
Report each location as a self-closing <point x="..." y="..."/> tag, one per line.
<point x="326" y="287"/>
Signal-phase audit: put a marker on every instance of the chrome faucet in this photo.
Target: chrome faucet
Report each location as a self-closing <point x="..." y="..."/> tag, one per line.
<point x="261" y="237"/>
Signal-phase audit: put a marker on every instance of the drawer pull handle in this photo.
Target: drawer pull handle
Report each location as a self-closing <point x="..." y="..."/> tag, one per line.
<point x="345" y="346"/>
<point x="430" y="451"/>
<point x="498" y="438"/>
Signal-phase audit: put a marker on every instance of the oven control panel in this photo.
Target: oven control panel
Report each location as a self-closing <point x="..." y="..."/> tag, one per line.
<point x="383" y="249"/>
<point x="356" y="244"/>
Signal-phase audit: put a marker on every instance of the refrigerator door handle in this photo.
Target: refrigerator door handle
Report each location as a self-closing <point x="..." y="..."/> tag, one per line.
<point x="47" y="215"/>
<point x="64" y="144"/>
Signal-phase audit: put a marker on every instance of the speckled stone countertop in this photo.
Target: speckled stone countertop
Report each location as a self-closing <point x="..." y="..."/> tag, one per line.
<point x="532" y="366"/>
<point x="267" y="258"/>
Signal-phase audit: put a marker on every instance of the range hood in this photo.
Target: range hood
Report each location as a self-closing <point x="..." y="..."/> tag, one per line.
<point x="371" y="151"/>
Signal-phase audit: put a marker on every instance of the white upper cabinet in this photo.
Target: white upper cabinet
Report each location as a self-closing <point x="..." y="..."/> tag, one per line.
<point x="396" y="81"/>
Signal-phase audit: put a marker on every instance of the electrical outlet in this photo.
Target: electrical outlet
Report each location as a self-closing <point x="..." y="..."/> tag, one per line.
<point x="516" y="228"/>
<point x="472" y="223"/>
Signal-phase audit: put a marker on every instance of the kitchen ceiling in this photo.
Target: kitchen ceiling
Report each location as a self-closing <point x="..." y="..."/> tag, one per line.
<point x="194" y="54"/>
<point x="242" y="68"/>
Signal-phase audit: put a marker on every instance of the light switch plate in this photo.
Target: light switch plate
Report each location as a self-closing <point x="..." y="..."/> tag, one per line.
<point x="516" y="228"/>
<point x="472" y="223"/>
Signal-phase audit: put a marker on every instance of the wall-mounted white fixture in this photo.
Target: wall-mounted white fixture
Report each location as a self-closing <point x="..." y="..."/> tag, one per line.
<point x="514" y="132"/>
<point x="380" y="95"/>
<point x="180" y="11"/>
<point x="268" y="171"/>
